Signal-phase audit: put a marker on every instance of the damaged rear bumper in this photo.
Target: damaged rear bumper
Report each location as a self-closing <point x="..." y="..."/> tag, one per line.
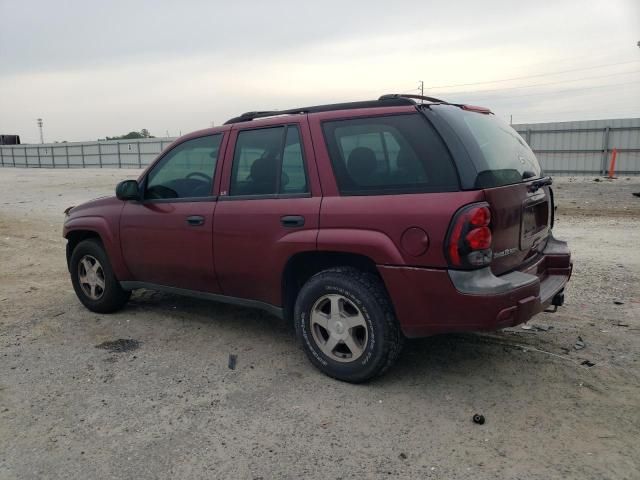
<point x="436" y="301"/>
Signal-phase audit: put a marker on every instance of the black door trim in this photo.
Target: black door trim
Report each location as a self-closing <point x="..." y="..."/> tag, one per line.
<point x="242" y="302"/>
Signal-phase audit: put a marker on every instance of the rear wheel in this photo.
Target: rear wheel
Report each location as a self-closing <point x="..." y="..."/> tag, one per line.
<point x="93" y="280"/>
<point x="346" y="324"/>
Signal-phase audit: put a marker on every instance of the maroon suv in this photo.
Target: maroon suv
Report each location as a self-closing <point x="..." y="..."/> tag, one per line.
<point x="364" y="223"/>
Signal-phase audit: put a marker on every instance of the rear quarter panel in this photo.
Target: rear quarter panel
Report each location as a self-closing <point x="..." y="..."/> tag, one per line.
<point x="344" y="222"/>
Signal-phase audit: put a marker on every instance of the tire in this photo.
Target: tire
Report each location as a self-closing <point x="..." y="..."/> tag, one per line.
<point x="107" y="298"/>
<point x="361" y="300"/>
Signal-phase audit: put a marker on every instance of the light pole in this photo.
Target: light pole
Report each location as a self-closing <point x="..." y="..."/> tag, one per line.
<point x="40" y="127"/>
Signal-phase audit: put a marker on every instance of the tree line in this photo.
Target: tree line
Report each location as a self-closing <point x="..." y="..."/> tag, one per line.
<point x="144" y="133"/>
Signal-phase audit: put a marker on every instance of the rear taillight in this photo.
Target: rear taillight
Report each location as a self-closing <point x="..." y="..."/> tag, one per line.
<point x="468" y="242"/>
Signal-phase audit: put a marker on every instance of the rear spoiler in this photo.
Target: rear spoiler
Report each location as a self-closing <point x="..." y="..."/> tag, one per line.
<point x="432" y="100"/>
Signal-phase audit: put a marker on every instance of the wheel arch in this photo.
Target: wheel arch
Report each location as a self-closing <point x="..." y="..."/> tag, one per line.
<point x="77" y="230"/>
<point x="303" y="265"/>
<point x="74" y="237"/>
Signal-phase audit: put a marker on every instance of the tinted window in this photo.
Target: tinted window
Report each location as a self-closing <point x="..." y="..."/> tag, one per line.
<point x="500" y="155"/>
<point x="186" y="171"/>
<point x="393" y="154"/>
<point x="294" y="177"/>
<point x="268" y="161"/>
<point x="506" y="157"/>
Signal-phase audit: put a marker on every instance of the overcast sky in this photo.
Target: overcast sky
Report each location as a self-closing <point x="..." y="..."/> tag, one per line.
<point x="96" y="68"/>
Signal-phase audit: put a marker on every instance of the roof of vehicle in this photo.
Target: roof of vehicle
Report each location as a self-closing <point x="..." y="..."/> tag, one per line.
<point x="390" y="100"/>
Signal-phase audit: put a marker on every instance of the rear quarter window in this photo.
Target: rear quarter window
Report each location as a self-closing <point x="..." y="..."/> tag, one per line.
<point x="500" y="155"/>
<point x="390" y="154"/>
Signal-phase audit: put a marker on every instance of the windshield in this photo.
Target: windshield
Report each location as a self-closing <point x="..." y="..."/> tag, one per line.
<point x="500" y="155"/>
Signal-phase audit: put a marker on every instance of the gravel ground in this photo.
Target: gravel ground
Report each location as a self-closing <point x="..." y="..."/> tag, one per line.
<point x="165" y="404"/>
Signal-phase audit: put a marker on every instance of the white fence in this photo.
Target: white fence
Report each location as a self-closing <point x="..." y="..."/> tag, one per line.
<point x="135" y="153"/>
<point x="586" y="147"/>
<point x="563" y="148"/>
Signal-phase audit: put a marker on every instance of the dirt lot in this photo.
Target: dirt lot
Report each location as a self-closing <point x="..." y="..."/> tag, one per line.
<point x="171" y="408"/>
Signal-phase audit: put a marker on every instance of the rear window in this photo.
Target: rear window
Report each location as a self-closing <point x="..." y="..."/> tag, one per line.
<point x="502" y="157"/>
<point x="391" y="154"/>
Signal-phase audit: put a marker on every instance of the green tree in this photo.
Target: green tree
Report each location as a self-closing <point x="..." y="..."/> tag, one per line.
<point x="144" y="133"/>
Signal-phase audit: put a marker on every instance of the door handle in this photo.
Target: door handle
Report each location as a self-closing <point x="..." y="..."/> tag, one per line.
<point x="195" y="220"/>
<point x="292" y="221"/>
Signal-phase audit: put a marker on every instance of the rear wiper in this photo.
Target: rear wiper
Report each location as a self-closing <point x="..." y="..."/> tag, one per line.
<point x="540" y="183"/>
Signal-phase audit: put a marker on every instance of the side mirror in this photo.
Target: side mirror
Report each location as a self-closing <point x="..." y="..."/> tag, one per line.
<point x="128" y="190"/>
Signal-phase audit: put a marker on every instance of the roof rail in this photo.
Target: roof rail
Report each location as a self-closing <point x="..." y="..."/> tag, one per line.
<point x="411" y="96"/>
<point x="384" y="101"/>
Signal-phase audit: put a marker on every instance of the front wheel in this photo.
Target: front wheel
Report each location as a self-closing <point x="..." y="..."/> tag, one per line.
<point x="93" y="280"/>
<point x="345" y="322"/>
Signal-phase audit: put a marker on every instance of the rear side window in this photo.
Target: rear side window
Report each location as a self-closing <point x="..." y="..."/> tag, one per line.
<point x="268" y="161"/>
<point x="294" y="177"/>
<point x="392" y="154"/>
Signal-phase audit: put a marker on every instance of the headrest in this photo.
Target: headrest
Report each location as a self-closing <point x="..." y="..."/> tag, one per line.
<point x="361" y="164"/>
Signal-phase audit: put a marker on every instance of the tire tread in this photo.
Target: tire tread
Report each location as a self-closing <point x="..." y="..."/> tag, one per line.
<point x="394" y="339"/>
<point x="115" y="297"/>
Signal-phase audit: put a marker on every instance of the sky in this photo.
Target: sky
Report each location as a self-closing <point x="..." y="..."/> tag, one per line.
<point x="92" y="69"/>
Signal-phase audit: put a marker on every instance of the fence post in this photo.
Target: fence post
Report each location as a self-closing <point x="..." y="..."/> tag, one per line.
<point x="605" y="151"/>
<point x="66" y="151"/>
<point x="38" y="150"/>
<point x="612" y="165"/>
<point x="82" y="153"/>
<point x="119" y="161"/>
<point x="2" y="155"/>
<point x="139" y="155"/>
<point x="13" y="155"/>
<point x="529" y="137"/>
<point x="100" y="154"/>
<point x="53" y="158"/>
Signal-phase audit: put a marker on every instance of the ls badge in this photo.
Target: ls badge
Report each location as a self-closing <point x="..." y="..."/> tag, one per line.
<point x="504" y="253"/>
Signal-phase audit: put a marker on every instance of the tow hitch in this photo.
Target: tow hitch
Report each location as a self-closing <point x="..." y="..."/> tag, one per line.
<point x="556" y="301"/>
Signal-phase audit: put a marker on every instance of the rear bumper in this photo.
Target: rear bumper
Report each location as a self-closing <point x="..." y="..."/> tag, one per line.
<point x="438" y="301"/>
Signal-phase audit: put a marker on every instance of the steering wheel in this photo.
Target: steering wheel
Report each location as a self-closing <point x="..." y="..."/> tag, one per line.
<point x="206" y="177"/>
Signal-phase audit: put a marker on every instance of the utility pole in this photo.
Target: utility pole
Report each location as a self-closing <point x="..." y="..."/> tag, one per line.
<point x="40" y="127"/>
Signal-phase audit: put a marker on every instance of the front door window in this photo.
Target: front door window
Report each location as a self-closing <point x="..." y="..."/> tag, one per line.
<point x="186" y="171"/>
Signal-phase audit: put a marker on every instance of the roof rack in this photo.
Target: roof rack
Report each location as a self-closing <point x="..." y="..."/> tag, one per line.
<point x="411" y="96"/>
<point x="390" y="100"/>
<point x="387" y="102"/>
